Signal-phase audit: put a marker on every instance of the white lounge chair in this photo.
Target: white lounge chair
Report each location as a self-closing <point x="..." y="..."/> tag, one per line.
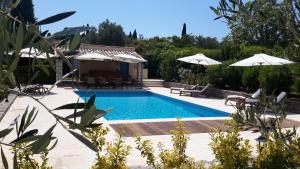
<point x="242" y="98"/>
<point x="191" y="92"/>
<point x="277" y="100"/>
<point x="280" y="97"/>
<point x="194" y="87"/>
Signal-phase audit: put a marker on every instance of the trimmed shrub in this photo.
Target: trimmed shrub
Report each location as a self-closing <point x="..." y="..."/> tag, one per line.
<point x="42" y="78"/>
<point x="276" y="155"/>
<point x="277" y="79"/>
<point x="274" y="78"/>
<point x="230" y="150"/>
<point x="168" y="68"/>
<point x="223" y="76"/>
<point x="250" y="79"/>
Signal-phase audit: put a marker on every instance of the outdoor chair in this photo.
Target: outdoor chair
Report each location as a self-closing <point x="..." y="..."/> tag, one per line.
<point x="128" y="82"/>
<point x="90" y="81"/>
<point x="194" y="87"/>
<point x="102" y="82"/>
<point x="276" y="101"/>
<point x="242" y="98"/>
<point x="280" y="97"/>
<point x="192" y="92"/>
<point x="35" y="89"/>
<point x="118" y="82"/>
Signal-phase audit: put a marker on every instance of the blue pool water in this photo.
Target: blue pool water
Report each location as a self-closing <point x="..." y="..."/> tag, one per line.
<point x="127" y="105"/>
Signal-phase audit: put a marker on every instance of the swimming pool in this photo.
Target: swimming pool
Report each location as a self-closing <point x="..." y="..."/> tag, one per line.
<point x="133" y="105"/>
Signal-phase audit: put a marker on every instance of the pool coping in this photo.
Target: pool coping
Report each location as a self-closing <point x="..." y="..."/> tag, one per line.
<point x="161" y="119"/>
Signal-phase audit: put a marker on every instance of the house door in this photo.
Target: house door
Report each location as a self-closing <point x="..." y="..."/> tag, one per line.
<point x="124" y="69"/>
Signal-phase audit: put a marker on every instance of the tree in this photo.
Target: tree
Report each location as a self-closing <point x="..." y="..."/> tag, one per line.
<point x="111" y="34"/>
<point x="183" y="32"/>
<point x="262" y="22"/>
<point x="134" y="35"/>
<point x="91" y="37"/>
<point x="24" y="11"/>
<point x="206" y="42"/>
<point x="130" y="35"/>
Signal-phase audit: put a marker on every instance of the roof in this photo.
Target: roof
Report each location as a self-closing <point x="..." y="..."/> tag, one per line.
<point x="107" y="50"/>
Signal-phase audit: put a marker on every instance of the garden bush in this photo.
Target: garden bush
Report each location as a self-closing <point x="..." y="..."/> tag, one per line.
<point x="168" y="68"/>
<point x="277" y="79"/>
<point x="174" y="158"/>
<point x="275" y="155"/>
<point x="250" y="79"/>
<point x="223" y="76"/>
<point x="42" y="78"/>
<point x="230" y="150"/>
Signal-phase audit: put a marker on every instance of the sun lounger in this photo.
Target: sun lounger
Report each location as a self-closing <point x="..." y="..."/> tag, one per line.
<point x="192" y="92"/>
<point x="242" y="98"/>
<point x="277" y="100"/>
<point x="280" y="97"/>
<point x="194" y="87"/>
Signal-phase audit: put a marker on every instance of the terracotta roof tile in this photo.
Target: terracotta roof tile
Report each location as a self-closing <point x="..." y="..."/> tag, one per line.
<point x="107" y="50"/>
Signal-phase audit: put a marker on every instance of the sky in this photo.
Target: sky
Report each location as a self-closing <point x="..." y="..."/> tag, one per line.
<point x="149" y="17"/>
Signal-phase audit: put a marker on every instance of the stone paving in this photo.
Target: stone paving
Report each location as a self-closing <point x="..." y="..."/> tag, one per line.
<point x="5" y="104"/>
<point x="72" y="154"/>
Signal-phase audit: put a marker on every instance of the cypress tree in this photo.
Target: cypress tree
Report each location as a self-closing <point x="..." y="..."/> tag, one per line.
<point x="130" y="35"/>
<point x="24" y="11"/>
<point x="183" y="33"/>
<point x="134" y="35"/>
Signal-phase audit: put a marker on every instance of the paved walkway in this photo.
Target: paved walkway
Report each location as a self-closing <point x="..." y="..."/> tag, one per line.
<point x="72" y="154"/>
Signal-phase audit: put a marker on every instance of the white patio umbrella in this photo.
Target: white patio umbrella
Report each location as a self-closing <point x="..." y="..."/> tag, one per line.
<point x="262" y="59"/>
<point x="199" y="59"/>
<point x="93" y="56"/>
<point x="128" y="58"/>
<point x="34" y="53"/>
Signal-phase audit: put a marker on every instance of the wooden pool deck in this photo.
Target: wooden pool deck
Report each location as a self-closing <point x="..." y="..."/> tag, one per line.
<point x="163" y="128"/>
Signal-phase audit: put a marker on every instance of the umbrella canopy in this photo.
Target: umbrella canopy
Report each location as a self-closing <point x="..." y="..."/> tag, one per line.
<point x="261" y="60"/>
<point x="93" y="56"/>
<point x="128" y="58"/>
<point x="199" y="59"/>
<point x="34" y="53"/>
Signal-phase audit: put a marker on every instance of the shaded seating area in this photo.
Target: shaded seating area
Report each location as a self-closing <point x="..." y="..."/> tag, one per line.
<point x="108" y="66"/>
<point x="103" y="80"/>
<point x="195" y="91"/>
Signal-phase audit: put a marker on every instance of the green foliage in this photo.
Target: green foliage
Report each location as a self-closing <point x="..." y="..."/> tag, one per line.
<point x="277" y="79"/>
<point x="25" y="77"/>
<point x="134" y="35"/>
<point x="111" y="34"/>
<point x="24" y="11"/>
<point x="26" y="160"/>
<point x="276" y="155"/>
<point x="116" y="152"/>
<point x="183" y="32"/>
<point x="223" y="76"/>
<point x="169" y="159"/>
<point x="281" y="147"/>
<point x="250" y="79"/>
<point x="168" y="66"/>
<point x="230" y="150"/>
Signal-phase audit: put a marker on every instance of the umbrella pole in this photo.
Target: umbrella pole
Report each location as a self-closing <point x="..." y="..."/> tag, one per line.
<point x="261" y="85"/>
